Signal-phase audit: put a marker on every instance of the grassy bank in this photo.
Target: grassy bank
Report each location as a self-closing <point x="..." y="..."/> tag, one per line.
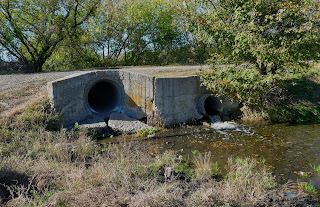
<point x="41" y="165"/>
<point x="290" y="96"/>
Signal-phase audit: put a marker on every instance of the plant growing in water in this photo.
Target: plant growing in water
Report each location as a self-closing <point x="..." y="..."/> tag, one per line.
<point x="316" y="168"/>
<point x="146" y="132"/>
<point x="309" y="188"/>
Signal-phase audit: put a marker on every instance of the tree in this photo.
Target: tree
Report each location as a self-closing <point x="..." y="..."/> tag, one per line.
<point x="33" y="29"/>
<point x="139" y="32"/>
<point x="271" y="34"/>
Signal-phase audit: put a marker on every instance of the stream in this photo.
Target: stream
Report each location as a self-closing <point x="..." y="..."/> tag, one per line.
<point x="288" y="150"/>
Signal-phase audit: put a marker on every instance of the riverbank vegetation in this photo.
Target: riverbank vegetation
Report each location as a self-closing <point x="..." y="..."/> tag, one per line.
<point x="292" y="96"/>
<point x="42" y="165"/>
<point x="271" y="51"/>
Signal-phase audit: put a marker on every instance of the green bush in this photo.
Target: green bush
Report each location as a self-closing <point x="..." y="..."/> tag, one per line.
<point x="289" y="96"/>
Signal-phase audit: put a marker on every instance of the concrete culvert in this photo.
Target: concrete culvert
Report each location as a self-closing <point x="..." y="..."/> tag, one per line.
<point x="104" y="97"/>
<point x="208" y="104"/>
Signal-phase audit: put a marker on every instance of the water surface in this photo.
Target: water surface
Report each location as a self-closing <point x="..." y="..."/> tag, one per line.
<point x="288" y="150"/>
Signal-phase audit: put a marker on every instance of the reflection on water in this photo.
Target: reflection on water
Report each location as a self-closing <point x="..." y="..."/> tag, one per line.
<point x="287" y="149"/>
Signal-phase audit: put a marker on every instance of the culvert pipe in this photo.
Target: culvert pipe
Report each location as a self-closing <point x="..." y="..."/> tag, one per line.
<point x="209" y="105"/>
<point x="104" y="97"/>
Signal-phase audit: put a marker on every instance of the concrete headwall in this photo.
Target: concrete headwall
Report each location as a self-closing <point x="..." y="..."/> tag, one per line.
<point x="176" y="98"/>
<point x="172" y="100"/>
<point x="69" y="95"/>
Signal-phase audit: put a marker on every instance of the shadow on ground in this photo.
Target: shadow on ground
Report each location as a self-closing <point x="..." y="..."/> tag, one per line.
<point x="12" y="180"/>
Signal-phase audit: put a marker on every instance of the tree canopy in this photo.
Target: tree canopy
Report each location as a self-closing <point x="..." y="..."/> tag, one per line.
<point x="55" y="34"/>
<point x="32" y="29"/>
<point x="271" y="34"/>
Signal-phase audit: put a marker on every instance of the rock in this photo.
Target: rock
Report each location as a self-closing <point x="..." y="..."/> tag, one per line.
<point x="96" y="126"/>
<point x="69" y="146"/>
<point x="93" y="122"/>
<point x="121" y="122"/>
<point x="5" y="105"/>
<point x="168" y="171"/>
<point x="289" y="194"/>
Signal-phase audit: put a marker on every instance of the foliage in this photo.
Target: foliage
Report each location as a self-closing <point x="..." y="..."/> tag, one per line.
<point x="316" y="168"/>
<point x="70" y="57"/>
<point x="62" y="35"/>
<point x="32" y="30"/>
<point x="146" y="132"/>
<point x="270" y="34"/>
<point x="143" y="32"/>
<point x="284" y="97"/>
<point x="309" y="188"/>
<point x="240" y="82"/>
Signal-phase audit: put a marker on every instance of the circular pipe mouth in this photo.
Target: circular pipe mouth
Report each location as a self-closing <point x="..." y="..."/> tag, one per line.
<point x="209" y="105"/>
<point x="213" y="106"/>
<point x="104" y="97"/>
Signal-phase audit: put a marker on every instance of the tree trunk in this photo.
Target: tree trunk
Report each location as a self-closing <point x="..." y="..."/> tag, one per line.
<point x="274" y="69"/>
<point x="108" y="48"/>
<point x="103" y="53"/>
<point x="262" y="68"/>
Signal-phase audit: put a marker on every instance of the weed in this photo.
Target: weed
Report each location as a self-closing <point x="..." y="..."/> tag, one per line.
<point x="316" y="168"/>
<point x="76" y="126"/>
<point x="146" y="132"/>
<point x="309" y="188"/>
<point x="245" y="177"/>
<point x="262" y="161"/>
<point x="204" y="167"/>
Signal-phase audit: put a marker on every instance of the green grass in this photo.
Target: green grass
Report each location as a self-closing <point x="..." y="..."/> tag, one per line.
<point x="309" y="188"/>
<point x="146" y="132"/>
<point x="316" y="168"/>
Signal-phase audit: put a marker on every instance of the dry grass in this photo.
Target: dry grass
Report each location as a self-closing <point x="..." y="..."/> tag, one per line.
<point x="20" y="95"/>
<point x="43" y="167"/>
<point x="176" y="73"/>
<point x="204" y="166"/>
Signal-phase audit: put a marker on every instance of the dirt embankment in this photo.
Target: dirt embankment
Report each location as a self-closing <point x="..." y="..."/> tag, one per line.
<point x="17" y="89"/>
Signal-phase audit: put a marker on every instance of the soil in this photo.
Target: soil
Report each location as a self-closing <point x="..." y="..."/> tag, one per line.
<point x="17" y="89"/>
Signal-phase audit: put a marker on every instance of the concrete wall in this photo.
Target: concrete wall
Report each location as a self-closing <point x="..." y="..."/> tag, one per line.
<point x="172" y="100"/>
<point x="176" y="99"/>
<point x="69" y="95"/>
<point x="139" y="94"/>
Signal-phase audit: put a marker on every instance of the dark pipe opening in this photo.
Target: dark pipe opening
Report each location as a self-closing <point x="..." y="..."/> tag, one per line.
<point x="103" y="97"/>
<point x="213" y="106"/>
